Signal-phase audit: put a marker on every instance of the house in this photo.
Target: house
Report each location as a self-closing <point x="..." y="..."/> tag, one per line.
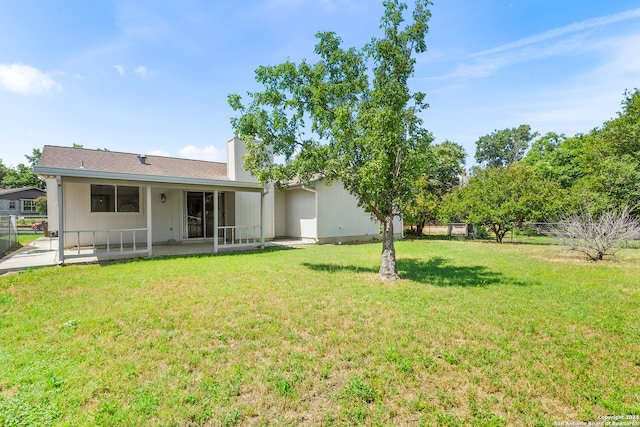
<point x="125" y="203"/>
<point x="20" y="201"/>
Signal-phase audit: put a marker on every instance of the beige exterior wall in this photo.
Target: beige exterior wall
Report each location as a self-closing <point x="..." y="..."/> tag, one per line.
<point x="78" y="217"/>
<point x="300" y="214"/>
<point x="280" y="213"/>
<point x="52" y="203"/>
<point x="248" y="204"/>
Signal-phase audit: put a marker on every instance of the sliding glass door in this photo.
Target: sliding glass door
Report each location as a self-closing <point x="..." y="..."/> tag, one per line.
<point x="200" y="213"/>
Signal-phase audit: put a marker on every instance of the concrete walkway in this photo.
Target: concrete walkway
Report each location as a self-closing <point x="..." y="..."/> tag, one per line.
<point x="39" y="253"/>
<point x="44" y="252"/>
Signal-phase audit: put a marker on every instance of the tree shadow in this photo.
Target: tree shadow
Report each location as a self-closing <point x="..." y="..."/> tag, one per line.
<point x="436" y="271"/>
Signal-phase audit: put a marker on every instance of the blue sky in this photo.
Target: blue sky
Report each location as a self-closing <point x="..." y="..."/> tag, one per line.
<point x="153" y="76"/>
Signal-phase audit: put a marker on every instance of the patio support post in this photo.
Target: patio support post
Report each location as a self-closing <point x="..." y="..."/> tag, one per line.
<point x="215" y="221"/>
<point x="149" y="224"/>
<point x="262" y="193"/>
<point x="60" y="221"/>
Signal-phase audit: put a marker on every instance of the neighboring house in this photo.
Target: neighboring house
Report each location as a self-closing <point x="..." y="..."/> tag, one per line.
<point x="121" y="201"/>
<point x="20" y="201"/>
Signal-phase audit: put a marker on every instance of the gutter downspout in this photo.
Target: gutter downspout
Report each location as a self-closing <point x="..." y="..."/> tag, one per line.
<point x="316" y="208"/>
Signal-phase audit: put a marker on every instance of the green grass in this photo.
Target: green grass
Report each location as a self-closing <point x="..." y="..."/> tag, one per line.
<point x="475" y="334"/>
<point x="25" y="239"/>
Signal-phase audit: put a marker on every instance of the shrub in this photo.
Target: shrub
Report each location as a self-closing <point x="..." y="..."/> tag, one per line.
<point x="597" y="235"/>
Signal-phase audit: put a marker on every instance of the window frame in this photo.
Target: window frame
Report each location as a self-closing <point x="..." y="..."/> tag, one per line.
<point x="116" y="201"/>
<point x="24" y="203"/>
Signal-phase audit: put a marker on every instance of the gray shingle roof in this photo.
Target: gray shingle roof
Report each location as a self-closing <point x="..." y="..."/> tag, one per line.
<point x="129" y="163"/>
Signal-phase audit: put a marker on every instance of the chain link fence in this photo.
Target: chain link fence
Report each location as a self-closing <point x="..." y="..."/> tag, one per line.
<point x="8" y="233"/>
<point x="526" y="233"/>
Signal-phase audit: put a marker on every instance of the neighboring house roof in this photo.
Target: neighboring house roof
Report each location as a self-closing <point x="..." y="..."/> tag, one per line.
<point x="81" y="162"/>
<point x="7" y="192"/>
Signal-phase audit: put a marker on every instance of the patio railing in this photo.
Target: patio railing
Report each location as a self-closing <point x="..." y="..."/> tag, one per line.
<point x="126" y="241"/>
<point x="238" y="235"/>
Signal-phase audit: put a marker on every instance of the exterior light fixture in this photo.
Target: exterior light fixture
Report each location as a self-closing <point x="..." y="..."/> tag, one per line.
<point x="163" y="198"/>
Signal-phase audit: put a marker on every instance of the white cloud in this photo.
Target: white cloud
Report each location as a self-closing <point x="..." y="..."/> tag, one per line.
<point x="26" y="80"/>
<point x="565" y="41"/>
<point x="557" y="32"/>
<point x="141" y="71"/>
<point x="210" y="153"/>
<point x="119" y="69"/>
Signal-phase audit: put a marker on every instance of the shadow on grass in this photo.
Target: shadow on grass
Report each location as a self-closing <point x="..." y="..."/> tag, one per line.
<point x="436" y="271"/>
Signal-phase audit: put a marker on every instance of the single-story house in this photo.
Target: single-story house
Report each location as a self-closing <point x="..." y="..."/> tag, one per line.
<point x="20" y="201"/>
<point x="124" y="203"/>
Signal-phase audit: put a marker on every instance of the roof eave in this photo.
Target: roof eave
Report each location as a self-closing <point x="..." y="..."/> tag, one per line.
<point x="75" y="173"/>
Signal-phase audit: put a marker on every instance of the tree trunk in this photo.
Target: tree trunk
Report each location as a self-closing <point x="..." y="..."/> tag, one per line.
<point x="388" y="266"/>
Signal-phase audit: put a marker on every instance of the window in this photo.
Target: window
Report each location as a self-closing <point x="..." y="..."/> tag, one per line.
<point x="115" y="198"/>
<point x="28" y="206"/>
<point x="128" y="199"/>
<point x="12" y="204"/>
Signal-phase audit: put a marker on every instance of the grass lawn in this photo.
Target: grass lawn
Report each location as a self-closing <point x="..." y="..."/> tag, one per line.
<point x="25" y="239"/>
<point x="475" y="334"/>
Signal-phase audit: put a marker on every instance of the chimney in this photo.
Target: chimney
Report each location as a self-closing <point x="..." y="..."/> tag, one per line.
<point x="143" y="159"/>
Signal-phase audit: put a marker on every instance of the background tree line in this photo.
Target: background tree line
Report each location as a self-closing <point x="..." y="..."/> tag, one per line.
<point x="22" y="175"/>
<point x="519" y="178"/>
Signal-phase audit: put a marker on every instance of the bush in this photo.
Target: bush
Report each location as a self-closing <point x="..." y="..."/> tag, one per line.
<point x="597" y="235"/>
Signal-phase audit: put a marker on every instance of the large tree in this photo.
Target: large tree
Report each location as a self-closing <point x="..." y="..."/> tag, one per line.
<point x="338" y="120"/>
<point x="501" y="198"/>
<point x="504" y="147"/>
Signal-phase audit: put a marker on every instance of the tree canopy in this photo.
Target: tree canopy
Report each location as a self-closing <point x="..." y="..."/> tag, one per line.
<point x="22" y="175"/>
<point x="349" y="117"/>
<point x="499" y="198"/>
<point x="601" y="168"/>
<point x="504" y="147"/>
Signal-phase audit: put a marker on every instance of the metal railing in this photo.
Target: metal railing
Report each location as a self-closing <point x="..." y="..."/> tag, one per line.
<point x="8" y="233"/>
<point x="238" y="235"/>
<point x="111" y="242"/>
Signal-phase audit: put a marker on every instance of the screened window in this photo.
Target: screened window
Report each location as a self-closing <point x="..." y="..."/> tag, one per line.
<point x="115" y="198"/>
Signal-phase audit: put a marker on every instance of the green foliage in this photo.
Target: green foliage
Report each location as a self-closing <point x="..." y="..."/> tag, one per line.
<point x="41" y="205"/>
<point x="446" y="168"/>
<point x="22" y="175"/>
<point x="601" y="168"/>
<point x="500" y="198"/>
<point x="338" y="120"/>
<point x="504" y="147"/>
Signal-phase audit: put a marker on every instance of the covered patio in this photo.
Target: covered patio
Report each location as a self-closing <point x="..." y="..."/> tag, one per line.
<point x="106" y="204"/>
